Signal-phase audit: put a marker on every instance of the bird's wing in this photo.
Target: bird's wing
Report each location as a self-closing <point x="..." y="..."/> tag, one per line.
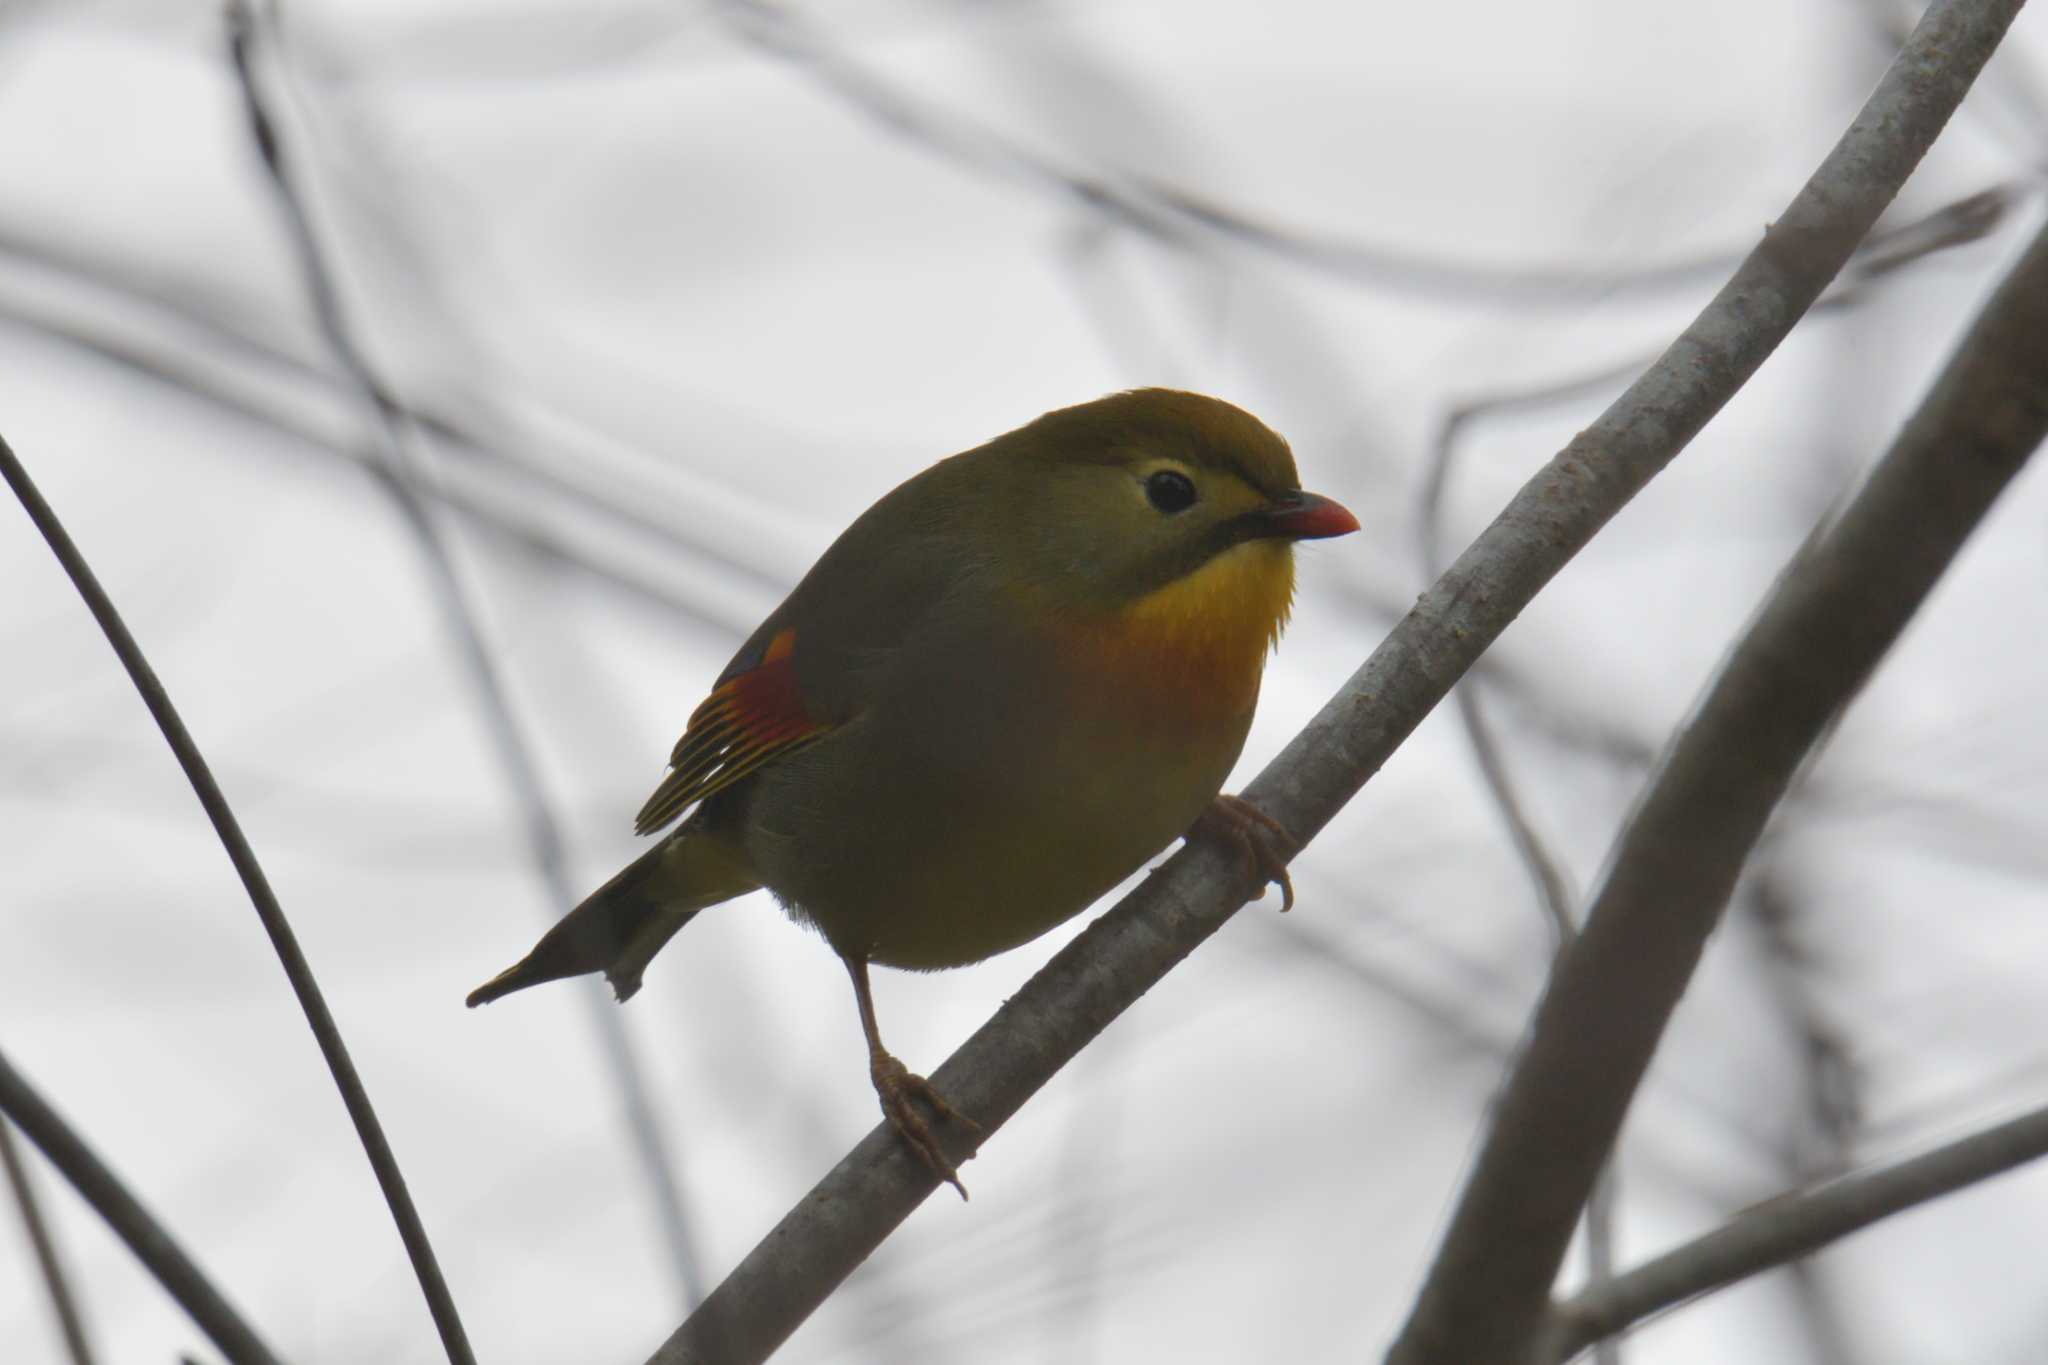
<point x="822" y="657"/>
<point x="754" y="714"/>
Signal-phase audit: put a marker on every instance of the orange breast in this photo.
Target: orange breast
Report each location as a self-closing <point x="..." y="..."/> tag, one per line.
<point x="1193" y="650"/>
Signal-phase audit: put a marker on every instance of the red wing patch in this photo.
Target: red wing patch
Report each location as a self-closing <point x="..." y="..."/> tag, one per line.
<point x="747" y="720"/>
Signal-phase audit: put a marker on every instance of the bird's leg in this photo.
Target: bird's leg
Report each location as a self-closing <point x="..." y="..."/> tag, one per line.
<point x="1257" y="837"/>
<point x="896" y="1084"/>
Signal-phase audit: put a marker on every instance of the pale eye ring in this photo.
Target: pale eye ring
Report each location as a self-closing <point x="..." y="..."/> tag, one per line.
<point x="1170" y="491"/>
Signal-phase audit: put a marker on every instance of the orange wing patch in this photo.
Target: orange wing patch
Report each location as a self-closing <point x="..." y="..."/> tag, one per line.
<point x="747" y="720"/>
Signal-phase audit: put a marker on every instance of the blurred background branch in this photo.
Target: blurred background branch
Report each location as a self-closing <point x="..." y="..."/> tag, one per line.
<point x="1841" y="604"/>
<point x="63" y="1303"/>
<point x="110" y="1199"/>
<point x="658" y="295"/>
<point x="1792" y="1226"/>
<point x="400" y="475"/>
<point x="383" y="1162"/>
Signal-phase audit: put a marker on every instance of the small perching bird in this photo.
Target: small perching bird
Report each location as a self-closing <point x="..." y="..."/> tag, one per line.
<point x="1008" y="684"/>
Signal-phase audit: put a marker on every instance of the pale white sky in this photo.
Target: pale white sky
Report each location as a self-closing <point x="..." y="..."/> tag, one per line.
<point x="708" y="307"/>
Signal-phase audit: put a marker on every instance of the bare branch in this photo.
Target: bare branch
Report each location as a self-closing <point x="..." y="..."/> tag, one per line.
<point x="474" y="442"/>
<point x="543" y="831"/>
<point x="1168" y="213"/>
<point x="296" y="969"/>
<point x="1176" y="215"/>
<point x="146" y="1237"/>
<point x="63" y="1303"/>
<point x="1553" y="892"/>
<point x="1821" y="1131"/>
<point x="507" y="519"/>
<point x="1792" y="1226"/>
<point x="1820" y="633"/>
<point x="1132" y="947"/>
<point x="1546" y="873"/>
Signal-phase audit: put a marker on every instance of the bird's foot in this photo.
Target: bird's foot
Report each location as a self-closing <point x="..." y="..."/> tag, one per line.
<point x="1258" y="839"/>
<point x="896" y="1085"/>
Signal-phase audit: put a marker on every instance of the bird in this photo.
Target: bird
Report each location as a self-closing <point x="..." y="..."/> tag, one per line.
<point x="1008" y="684"/>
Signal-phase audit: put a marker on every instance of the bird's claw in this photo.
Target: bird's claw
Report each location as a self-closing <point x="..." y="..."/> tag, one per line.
<point x="896" y="1085"/>
<point x="1254" y="834"/>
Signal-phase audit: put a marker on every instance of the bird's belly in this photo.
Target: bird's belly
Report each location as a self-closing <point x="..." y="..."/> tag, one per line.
<point x="952" y="861"/>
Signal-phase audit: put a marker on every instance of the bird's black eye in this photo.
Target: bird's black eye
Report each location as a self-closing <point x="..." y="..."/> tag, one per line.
<point x="1170" y="491"/>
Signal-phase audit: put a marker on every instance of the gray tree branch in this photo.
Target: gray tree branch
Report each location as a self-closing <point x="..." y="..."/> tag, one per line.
<point x="1792" y="1226"/>
<point x="298" y="971"/>
<point x="397" y="475"/>
<point x="1132" y="947"/>
<point x="43" y="1246"/>
<point x="1824" y="627"/>
<point x="110" y="1199"/>
<point x="1175" y="214"/>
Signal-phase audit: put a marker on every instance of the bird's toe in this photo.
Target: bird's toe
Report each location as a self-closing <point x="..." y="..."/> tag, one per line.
<point x="1261" y="842"/>
<point x="898" y="1086"/>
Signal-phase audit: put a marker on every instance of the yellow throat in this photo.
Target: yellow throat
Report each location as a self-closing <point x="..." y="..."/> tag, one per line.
<point x="1200" y="642"/>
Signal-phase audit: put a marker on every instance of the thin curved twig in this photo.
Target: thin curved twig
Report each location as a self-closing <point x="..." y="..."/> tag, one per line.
<point x="43" y="1244"/>
<point x="1175" y="214"/>
<point x="497" y="517"/>
<point x="1822" y="1129"/>
<point x="476" y="444"/>
<point x="1546" y="874"/>
<point x="1553" y="892"/>
<point x="1792" y="1226"/>
<point x="1171" y="213"/>
<point x="296" y="969"/>
<point x="123" y="1212"/>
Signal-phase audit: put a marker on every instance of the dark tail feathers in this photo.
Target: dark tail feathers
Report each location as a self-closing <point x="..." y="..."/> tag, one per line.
<point x="627" y="920"/>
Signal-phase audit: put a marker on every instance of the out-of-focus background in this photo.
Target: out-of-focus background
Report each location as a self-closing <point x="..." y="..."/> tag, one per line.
<point x="673" y="291"/>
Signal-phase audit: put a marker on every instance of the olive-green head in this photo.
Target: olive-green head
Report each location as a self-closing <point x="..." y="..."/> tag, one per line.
<point x="1107" y="502"/>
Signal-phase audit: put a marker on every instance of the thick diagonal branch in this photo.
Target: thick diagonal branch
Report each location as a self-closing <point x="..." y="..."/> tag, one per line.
<point x="1123" y="954"/>
<point x="1825" y="626"/>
